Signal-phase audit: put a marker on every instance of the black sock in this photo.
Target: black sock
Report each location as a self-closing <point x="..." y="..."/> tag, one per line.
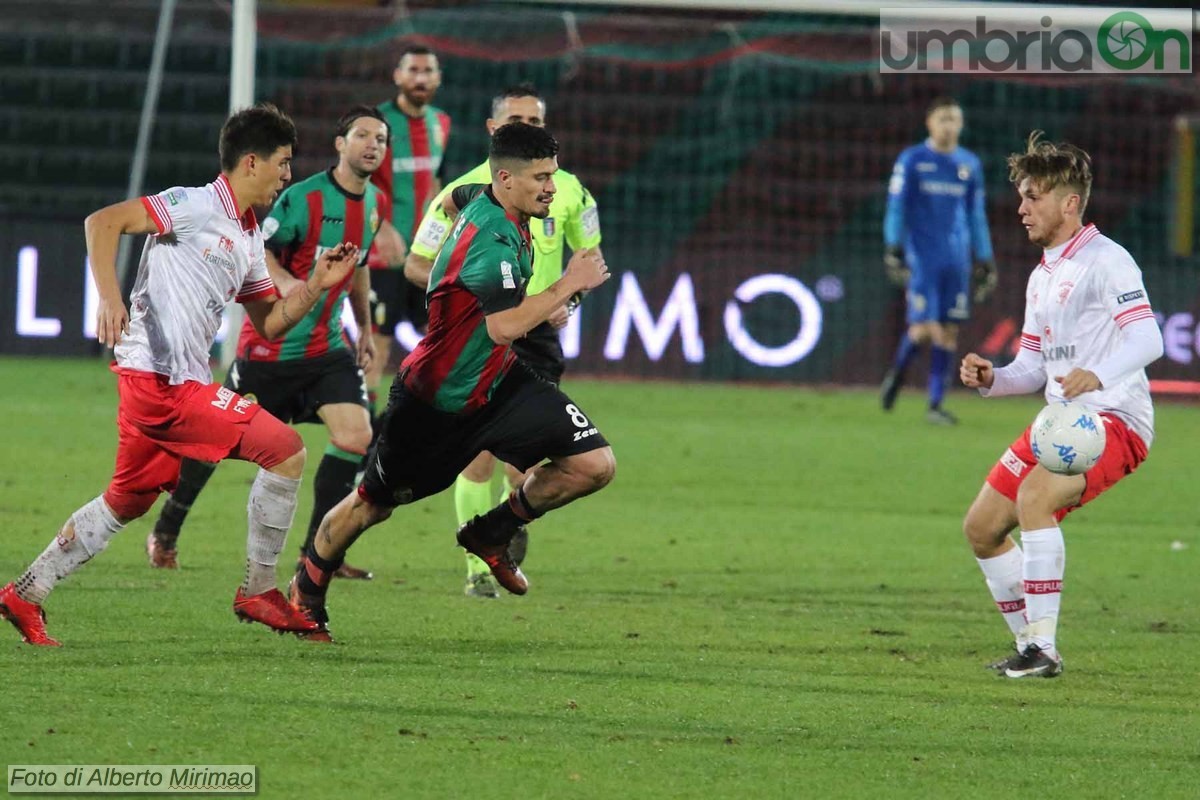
<point x="312" y="579"/>
<point x="334" y="480"/>
<point x="193" y="475"/>
<point x="499" y="524"/>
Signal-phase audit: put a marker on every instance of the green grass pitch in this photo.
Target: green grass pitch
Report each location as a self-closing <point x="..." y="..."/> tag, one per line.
<point x="773" y="599"/>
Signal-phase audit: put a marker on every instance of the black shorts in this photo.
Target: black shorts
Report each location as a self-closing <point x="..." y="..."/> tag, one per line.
<point x="394" y="299"/>
<point x="294" y="390"/>
<point x="542" y="351"/>
<point x="420" y="450"/>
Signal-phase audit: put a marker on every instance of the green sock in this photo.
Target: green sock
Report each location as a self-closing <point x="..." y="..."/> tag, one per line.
<point x="471" y="498"/>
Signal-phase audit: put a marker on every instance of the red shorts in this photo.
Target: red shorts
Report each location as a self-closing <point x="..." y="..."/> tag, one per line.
<point x="1124" y="451"/>
<point x="160" y="424"/>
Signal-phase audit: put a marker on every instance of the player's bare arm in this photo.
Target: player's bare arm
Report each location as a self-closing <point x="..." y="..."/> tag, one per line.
<point x="285" y="282"/>
<point x="360" y="306"/>
<point x="272" y="317"/>
<point x="1078" y="381"/>
<point x="417" y="270"/>
<point x="976" y="372"/>
<point x="391" y="245"/>
<point x="585" y="271"/>
<point x="449" y="207"/>
<point x="103" y="230"/>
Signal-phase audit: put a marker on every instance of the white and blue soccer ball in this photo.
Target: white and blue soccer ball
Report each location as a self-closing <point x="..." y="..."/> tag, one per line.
<point x="1067" y="438"/>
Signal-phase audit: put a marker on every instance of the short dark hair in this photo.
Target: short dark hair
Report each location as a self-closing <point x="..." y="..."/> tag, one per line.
<point x="1049" y="166"/>
<point x="261" y="130"/>
<point x="525" y="89"/>
<point x="414" y="50"/>
<point x="518" y="141"/>
<point x="346" y="121"/>
<point x="944" y="101"/>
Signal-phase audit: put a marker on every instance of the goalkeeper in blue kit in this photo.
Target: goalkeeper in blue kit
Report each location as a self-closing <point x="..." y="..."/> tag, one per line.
<point x="936" y="237"/>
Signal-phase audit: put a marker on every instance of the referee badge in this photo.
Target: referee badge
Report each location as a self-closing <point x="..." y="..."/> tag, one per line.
<point x="548" y="226"/>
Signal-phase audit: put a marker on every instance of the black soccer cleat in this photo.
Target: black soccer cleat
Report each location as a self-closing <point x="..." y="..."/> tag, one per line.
<point x="1006" y="662"/>
<point x="1034" y="662"/>
<point x="519" y="546"/>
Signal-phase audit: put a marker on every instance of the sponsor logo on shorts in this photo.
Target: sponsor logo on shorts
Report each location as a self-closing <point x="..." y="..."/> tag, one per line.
<point x="1012" y="463"/>
<point x="1125" y="298"/>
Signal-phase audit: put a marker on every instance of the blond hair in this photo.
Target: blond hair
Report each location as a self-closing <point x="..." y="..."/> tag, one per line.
<point x="1049" y="165"/>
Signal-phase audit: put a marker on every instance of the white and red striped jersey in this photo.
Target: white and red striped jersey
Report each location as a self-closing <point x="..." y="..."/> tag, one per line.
<point x="1078" y="299"/>
<point x="206" y="253"/>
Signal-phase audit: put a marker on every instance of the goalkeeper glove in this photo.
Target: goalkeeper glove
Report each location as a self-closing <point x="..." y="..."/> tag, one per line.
<point x="893" y="264"/>
<point x="985" y="280"/>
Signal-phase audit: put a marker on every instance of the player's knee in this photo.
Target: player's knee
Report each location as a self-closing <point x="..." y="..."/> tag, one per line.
<point x="480" y="469"/>
<point x="293" y="465"/>
<point x="979" y="531"/>
<point x="356" y="441"/>
<point x="919" y="334"/>
<point x="597" y="470"/>
<point x="128" y="506"/>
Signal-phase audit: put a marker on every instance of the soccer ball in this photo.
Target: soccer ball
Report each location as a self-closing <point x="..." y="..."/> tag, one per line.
<point x="1067" y="438"/>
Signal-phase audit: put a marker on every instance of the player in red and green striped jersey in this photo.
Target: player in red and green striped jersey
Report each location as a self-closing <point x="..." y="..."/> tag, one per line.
<point x="410" y="177"/>
<point x="313" y="373"/>
<point x="463" y="390"/>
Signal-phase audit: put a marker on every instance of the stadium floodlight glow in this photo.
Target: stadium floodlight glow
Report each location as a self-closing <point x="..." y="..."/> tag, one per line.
<point x="679" y="312"/>
<point x="28" y="322"/>
<point x="811" y="321"/>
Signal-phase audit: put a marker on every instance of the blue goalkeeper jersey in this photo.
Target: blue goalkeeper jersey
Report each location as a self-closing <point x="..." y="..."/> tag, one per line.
<point x="935" y="209"/>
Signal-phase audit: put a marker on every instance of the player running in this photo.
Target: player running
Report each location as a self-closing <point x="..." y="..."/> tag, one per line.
<point x="309" y="375"/>
<point x="463" y="390"/>
<point x="573" y="220"/>
<point x="1089" y="333"/>
<point x="204" y="249"/>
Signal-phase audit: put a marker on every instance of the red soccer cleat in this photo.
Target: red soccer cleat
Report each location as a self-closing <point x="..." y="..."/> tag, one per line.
<point x="273" y="610"/>
<point x="28" y="618"/>
<point x="161" y="556"/>
<point x="507" y="572"/>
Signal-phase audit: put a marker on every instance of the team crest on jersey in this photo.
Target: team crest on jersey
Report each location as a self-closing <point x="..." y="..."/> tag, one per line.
<point x="1047" y="334"/>
<point x="548" y="227"/>
<point x="374" y="220"/>
<point x="964" y="172"/>
<point x="226" y="244"/>
<point x="1064" y="291"/>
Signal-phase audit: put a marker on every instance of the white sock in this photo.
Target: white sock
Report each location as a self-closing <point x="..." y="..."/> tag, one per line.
<point x="1045" y="564"/>
<point x="95" y="525"/>
<point x="1003" y="574"/>
<point x="270" y="511"/>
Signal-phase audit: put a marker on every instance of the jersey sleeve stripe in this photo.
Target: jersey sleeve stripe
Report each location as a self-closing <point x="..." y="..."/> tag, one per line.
<point x="158" y="212"/>
<point x="1031" y="342"/>
<point x="1133" y="315"/>
<point x="1141" y="310"/>
<point x="256" y="291"/>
